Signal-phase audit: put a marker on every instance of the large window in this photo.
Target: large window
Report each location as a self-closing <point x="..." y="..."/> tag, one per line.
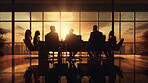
<point x="127" y="25"/>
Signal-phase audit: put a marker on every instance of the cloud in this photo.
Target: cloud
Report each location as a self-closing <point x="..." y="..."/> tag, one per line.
<point x="3" y="31"/>
<point x="104" y="24"/>
<point x="139" y="29"/>
<point x="142" y="27"/>
<point x="20" y="34"/>
<point x="19" y="28"/>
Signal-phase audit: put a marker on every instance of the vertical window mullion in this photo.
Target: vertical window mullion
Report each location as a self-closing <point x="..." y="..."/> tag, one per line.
<point x="134" y="44"/>
<point x="79" y="23"/>
<point x="98" y="20"/>
<point x="42" y="26"/>
<point x="60" y="24"/>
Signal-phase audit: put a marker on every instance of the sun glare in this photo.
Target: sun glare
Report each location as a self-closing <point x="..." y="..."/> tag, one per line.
<point x="64" y="32"/>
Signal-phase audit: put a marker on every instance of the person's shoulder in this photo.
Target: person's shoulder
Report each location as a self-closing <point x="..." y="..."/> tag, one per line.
<point x="100" y="32"/>
<point x="114" y="36"/>
<point x="56" y="33"/>
<point x="92" y="32"/>
<point x="47" y="34"/>
<point x="74" y="35"/>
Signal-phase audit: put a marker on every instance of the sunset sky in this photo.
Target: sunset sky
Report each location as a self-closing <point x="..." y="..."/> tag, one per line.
<point x="71" y="20"/>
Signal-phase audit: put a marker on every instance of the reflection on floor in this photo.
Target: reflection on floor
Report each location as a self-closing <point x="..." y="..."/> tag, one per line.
<point x="128" y="63"/>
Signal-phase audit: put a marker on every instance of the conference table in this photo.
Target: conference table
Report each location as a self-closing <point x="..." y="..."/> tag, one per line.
<point x="44" y="53"/>
<point x="86" y="69"/>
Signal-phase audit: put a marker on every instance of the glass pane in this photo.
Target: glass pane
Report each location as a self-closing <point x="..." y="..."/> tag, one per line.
<point x="86" y="29"/>
<point x="5" y="16"/>
<point x="23" y="16"/>
<point x="127" y="31"/>
<point x="6" y="27"/>
<point x="127" y="16"/>
<point x="47" y="27"/>
<point x="52" y="16"/>
<point x="36" y="16"/>
<point x="105" y="16"/>
<point x="20" y="28"/>
<point x="105" y="28"/>
<point x="89" y="16"/>
<point x="6" y="78"/>
<point x="66" y="26"/>
<point x="142" y="16"/>
<point x="7" y="49"/>
<point x="21" y="63"/>
<point x="19" y="78"/>
<point x="128" y="78"/>
<point x="6" y="64"/>
<point x="69" y="16"/>
<point x="128" y="48"/>
<point x="141" y="64"/>
<point x="116" y="16"/>
<point x="141" y="27"/>
<point x="116" y="30"/>
<point x="141" y="78"/>
<point x="141" y="30"/>
<point x="36" y="26"/>
<point x="127" y="64"/>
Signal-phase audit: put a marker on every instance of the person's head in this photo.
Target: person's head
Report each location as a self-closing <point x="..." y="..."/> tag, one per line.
<point x="111" y="33"/>
<point x="52" y="28"/>
<point x="95" y="28"/>
<point x="37" y="33"/>
<point x="28" y="32"/>
<point x="71" y="31"/>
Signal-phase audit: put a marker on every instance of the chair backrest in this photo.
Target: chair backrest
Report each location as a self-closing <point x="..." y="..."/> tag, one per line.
<point x="74" y="43"/>
<point x="52" y="43"/>
<point x="26" y="43"/>
<point x="30" y="46"/>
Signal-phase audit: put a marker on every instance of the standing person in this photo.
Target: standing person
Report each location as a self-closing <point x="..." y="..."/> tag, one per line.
<point x="36" y="39"/>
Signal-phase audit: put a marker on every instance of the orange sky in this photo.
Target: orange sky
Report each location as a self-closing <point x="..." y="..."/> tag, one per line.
<point x="83" y="28"/>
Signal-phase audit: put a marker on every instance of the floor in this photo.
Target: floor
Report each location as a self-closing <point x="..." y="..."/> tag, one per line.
<point x="135" y="68"/>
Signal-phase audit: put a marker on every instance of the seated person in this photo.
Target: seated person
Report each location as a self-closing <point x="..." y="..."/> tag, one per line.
<point x="73" y="42"/>
<point x="28" y="39"/>
<point x="52" y="40"/>
<point x="36" y="39"/>
<point x="96" y="42"/>
<point x="113" y="43"/>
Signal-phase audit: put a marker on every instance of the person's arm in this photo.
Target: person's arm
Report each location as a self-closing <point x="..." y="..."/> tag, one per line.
<point x="115" y="40"/>
<point x="34" y="40"/>
<point x="38" y="39"/>
<point x="57" y="37"/>
<point x="66" y="37"/>
<point x="90" y="38"/>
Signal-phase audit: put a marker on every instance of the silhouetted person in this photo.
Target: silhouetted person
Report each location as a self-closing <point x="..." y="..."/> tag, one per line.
<point x="113" y="43"/>
<point x="71" y="40"/>
<point x="28" y="42"/>
<point x="36" y="39"/>
<point x="96" y="42"/>
<point x="52" y="39"/>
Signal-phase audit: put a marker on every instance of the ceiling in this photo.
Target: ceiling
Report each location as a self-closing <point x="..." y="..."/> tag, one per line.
<point x="76" y="1"/>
